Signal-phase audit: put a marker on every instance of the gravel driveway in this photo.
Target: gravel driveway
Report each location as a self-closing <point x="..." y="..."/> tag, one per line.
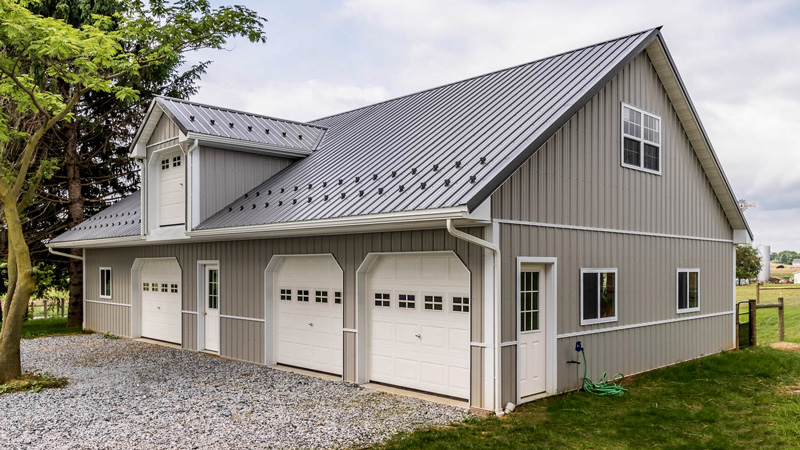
<point x="127" y="394"/>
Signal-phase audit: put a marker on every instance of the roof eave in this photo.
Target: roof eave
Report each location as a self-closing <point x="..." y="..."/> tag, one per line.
<point x="239" y="144"/>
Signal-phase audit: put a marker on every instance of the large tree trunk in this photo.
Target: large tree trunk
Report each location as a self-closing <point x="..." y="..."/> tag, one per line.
<point x="20" y="287"/>
<point x="76" y="215"/>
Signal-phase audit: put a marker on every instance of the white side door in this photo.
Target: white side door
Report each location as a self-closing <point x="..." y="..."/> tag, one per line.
<point x="532" y="330"/>
<point x="211" y="305"/>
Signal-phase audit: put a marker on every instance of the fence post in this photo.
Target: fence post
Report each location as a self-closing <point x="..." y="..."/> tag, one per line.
<point x="45" y="308"/>
<point x="780" y="319"/>
<point x="753" y="335"/>
<point x="758" y="292"/>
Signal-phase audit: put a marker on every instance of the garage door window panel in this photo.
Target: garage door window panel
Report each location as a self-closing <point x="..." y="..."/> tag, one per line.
<point x="337" y="297"/>
<point x="145" y="287"/>
<point x="286" y="294"/>
<point x="434" y="302"/>
<point x="407" y="301"/>
<point x="321" y="296"/>
<point x="302" y="295"/>
<point x="383" y="299"/>
<point x="460" y="304"/>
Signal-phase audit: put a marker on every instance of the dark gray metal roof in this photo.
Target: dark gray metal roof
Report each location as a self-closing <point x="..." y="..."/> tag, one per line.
<point x="448" y="146"/>
<point x="118" y="220"/>
<point x="243" y="126"/>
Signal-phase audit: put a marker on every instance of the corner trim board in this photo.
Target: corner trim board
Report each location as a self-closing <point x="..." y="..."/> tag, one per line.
<point x="641" y="325"/>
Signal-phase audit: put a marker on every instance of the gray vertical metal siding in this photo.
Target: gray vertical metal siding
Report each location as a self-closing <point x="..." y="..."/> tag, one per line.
<point x="166" y="130"/>
<point x="227" y="174"/>
<point x="576" y="177"/>
<point x="242" y="265"/>
<point x="114" y="319"/>
<point x="189" y="331"/>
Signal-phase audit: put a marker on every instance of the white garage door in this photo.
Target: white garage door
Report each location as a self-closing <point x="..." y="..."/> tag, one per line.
<point x="161" y="300"/>
<point x="419" y="323"/>
<point x="308" y="313"/>
<point x="171" y="198"/>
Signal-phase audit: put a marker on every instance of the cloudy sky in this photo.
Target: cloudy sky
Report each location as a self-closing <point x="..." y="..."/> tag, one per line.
<point x="739" y="59"/>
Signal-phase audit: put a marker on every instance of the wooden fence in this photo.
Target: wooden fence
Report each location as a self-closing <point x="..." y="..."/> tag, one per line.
<point x="49" y="308"/>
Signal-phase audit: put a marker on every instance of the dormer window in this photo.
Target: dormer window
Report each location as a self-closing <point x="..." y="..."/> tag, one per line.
<point x="641" y="140"/>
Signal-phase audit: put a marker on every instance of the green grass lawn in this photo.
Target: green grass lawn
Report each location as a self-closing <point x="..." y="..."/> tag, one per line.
<point x="53" y="326"/>
<point x="740" y="399"/>
<point x="767" y="319"/>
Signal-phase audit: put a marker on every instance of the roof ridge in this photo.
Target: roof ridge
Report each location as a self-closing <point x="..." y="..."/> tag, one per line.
<point x="486" y="74"/>
<point x="236" y="111"/>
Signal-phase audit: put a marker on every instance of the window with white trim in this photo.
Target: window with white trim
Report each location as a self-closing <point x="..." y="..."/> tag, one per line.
<point x="461" y="304"/>
<point x="145" y="286"/>
<point x="598" y="296"/>
<point x="528" y="301"/>
<point x="302" y="295"/>
<point x="286" y="294"/>
<point x="176" y="161"/>
<point x="382" y="299"/>
<point x="641" y="140"/>
<point x="433" y="302"/>
<point x="688" y="290"/>
<point x="105" y="282"/>
<point x="337" y="297"/>
<point x="321" y="296"/>
<point x="173" y="288"/>
<point x="407" y="301"/>
<point x="165" y="164"/>
<point x="164" y="287"/>
<point x="155" y="287"/>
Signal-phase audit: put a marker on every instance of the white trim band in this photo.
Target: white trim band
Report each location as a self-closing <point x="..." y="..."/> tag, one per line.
<point x="610" y="230"/>
<point x="189" y="312"/>
<point x="640" y="325"/>
<point x="108" y="303"/>
<point x="508" y="344"/>
<point x="349" y="330"/>
<point x="251" y="319"/>
<point x="174" y="138"/>
<point x="479" y="344"/>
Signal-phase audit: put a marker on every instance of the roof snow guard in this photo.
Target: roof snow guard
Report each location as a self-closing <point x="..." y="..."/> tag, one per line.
<point x="121" y="219"/>
<point x="224" y="127"/>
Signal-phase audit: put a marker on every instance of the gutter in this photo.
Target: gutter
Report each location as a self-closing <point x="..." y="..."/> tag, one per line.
<point x="68" y="255"/>
<point x="498" y="409"/>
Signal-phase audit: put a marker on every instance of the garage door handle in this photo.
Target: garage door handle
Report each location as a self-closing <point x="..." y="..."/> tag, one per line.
<point x="418" y="336"/>
<point x="310" y="324"/>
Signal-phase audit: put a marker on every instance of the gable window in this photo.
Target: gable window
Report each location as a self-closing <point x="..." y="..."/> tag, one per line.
<point x="433" y="302"/>
<point x="165" y="164"/>
<point x="321" y="297"/>
<point x="105" y="282"/>
<point x="461" y="304"/>
<point x="407" y="301"/>
<point x="286" y="294"/>
<point x="382" y="299"/>
<point x="598" y="296"/>
<point x="688" y="290"/>
<point x="302" y="295"/>
<point x="176" y="161"/>
<point x="641" y="140"/>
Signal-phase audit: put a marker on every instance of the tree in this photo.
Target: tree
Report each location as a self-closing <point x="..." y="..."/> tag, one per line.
<point x="102" y="129"/>
<point x="748" y="261"/>
<point x="46" y="67"/>
<point x="786" y="256"/>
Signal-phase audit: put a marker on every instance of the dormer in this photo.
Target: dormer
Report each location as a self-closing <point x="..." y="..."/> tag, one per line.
<point x="196" y="159"/>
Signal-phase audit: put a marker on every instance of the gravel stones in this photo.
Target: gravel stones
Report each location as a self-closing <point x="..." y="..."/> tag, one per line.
<point x="124" y="394"/>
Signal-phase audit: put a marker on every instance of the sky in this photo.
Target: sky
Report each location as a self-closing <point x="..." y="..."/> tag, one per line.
<point x="739" y="60"/>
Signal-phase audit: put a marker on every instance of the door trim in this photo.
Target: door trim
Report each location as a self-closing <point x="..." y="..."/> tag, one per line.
<point x="201" y="303"/>
<point x="551" y="316"/>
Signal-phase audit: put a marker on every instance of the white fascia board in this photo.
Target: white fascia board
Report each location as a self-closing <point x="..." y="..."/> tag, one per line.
<point x="238" y="144"/>
<point x="483" y="213"/>
<point x="139" y="148"/>
<point x="742" y="237"/>
<point x="94" y="243"/>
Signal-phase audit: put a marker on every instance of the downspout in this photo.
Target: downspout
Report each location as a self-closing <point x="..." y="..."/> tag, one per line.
<point x="68" y="255"/>
<point x="498" y="409"/>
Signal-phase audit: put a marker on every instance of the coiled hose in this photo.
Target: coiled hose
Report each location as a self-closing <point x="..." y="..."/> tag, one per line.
<point x="603" y="386"/>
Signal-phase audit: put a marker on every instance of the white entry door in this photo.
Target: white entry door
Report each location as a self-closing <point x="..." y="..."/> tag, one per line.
<point x="161" y="300"/>
<point x="211" y="313"/>
<point x="308" y="313"/>
<point x="532" y="330"/>
<point x="419" y="316"/>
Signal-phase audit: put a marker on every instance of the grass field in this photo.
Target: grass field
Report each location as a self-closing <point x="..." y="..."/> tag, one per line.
<point x="767" y="319"/>
<point x="47" y="327"/>
<point x="741" y="399"/>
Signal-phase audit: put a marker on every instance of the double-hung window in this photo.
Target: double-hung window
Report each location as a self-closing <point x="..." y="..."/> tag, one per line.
<point x="105" y="282"/>
<point x="641" y="140"/>
<point x="598" y="296"/>
<point x="688" y="290"/>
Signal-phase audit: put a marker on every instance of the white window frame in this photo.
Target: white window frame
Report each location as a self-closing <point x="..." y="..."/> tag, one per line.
<point x="641" y="140"/>
<point x="613" y="270"/>
<point x="102" y="282"/>
<point x="462" y="305"/>
<point x="382" y="299"/>
<point x="407" y="301"/>
<point x="677" y="291"/>
<point x="433" y="303"/>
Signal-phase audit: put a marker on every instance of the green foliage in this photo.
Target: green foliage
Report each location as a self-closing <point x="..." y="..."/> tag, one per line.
<point x="108" y="335"/>
<point x="53" y="326"/>
<point x="51" y="282"/>
<point x="732" y="400"/>
<point x="34" y="381"/>
<point x="785" y="257"/>
<point x="748" y="261"/>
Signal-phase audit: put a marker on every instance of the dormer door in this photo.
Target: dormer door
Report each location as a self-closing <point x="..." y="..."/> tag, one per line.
<point x="171" y="196"/>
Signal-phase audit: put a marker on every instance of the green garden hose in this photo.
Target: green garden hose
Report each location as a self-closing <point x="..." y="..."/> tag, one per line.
<point x="603" y="386"/>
